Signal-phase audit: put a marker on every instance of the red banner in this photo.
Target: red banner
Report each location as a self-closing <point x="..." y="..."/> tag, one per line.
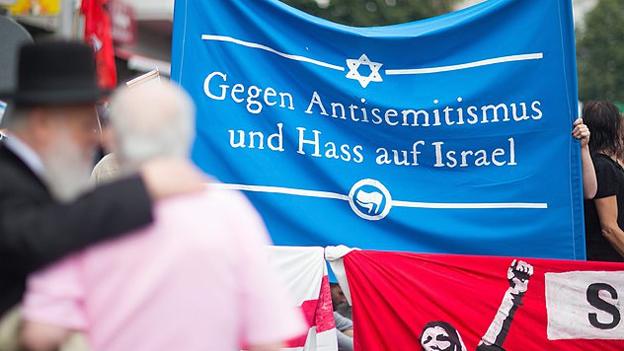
<point x="407" y="301"/>
<point x="98" y="35"/>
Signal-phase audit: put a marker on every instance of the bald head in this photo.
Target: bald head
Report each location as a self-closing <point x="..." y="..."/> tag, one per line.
<point x="150" y="121"/>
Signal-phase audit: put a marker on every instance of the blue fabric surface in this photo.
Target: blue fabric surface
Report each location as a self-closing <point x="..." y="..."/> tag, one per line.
<point x="450" y="134"/>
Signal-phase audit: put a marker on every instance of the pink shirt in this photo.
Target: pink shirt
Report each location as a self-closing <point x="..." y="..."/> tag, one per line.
<point x="196" y="279"/>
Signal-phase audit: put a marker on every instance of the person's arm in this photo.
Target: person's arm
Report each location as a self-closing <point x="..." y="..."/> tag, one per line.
<point x="42" y="337"/>
<point x="343" y="324"/>
<point x="53" y="306"/>
<point x="518" y="275"/>
<point x="344" y="327"/>
<point x="32" y="236"/>
<point x="590" y="184"/>
<point x="607" y="209"/>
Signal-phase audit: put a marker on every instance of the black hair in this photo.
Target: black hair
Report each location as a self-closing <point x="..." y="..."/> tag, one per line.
<point x="604" y="122"/>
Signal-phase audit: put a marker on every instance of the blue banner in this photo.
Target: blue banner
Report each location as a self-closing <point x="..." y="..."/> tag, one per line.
<point x="451" y="134"/>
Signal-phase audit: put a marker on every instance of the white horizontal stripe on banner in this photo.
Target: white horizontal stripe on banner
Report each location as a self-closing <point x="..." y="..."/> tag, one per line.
<point x="469" y="205"/>
<point x="249" y="44"/>
<point x="281" y="190"/>
<point x="487" y="62"/>
<point x="395" y="203"/>
<point x="405" y="71"/>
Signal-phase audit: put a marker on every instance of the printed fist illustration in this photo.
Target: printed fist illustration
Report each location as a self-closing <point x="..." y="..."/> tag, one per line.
<point x="518" y="275"/>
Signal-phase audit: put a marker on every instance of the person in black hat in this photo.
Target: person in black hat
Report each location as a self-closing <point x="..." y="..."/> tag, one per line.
<point x="46" y="210"/>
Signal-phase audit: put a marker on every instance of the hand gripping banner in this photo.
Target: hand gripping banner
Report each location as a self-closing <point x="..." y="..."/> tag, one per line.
<point x="405" y="301"/>
<point x="450" y="134"/>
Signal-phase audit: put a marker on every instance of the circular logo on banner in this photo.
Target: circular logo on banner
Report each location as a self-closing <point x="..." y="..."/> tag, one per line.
<point x="370" y="199"/>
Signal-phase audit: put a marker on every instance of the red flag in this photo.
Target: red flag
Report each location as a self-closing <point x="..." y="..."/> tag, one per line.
<point x="98" y="35"/>
<point x="305" y="272"/>
<point x="418" y="302"/>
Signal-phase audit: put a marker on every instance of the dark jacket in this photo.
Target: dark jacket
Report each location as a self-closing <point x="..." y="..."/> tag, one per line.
<point x="35" y="230"/>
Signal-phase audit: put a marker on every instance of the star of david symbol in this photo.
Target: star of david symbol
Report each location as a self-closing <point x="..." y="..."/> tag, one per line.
<point x="354" y="73"/>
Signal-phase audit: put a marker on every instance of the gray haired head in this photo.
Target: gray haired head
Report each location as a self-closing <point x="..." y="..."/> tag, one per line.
<point x="151" y="121"/>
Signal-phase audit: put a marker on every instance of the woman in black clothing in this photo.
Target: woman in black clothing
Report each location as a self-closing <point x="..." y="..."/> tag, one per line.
<point x="604" y="215"/>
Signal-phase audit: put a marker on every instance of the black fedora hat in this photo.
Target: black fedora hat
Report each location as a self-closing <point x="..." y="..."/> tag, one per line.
<point x="55" y="73"/>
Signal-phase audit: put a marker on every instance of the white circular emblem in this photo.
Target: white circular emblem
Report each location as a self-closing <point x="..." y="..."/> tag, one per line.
<point x="370" y="199"/>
